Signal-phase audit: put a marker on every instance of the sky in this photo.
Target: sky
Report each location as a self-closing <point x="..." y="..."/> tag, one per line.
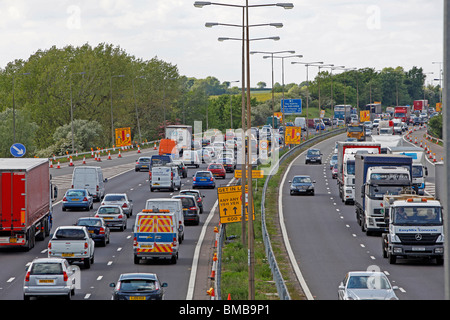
<point x="350" y="33"/>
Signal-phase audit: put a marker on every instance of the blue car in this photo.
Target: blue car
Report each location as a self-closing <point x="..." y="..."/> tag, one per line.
<point x="77" y="199"/>
<point x="97" y="228"/>
<point x="203" y="179"/>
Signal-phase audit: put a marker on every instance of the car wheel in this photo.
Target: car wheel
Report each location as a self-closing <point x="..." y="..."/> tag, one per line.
<point x="64" y="209"/>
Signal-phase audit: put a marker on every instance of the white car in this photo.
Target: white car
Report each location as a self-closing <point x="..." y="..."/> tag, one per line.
<point x="366" y="285"/>
<point x="119" y="199"/>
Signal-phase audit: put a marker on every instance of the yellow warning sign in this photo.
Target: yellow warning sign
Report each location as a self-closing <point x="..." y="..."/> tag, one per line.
<point x="256" y="174"/>
<point x="293" y="135"/>
<point x="230" y="204"/>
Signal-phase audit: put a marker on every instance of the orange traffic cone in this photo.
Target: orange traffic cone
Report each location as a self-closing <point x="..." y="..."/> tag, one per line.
<point x="109" y="155"/>
<point x="58" y="166"/>
<point x="154" y="146"/>
<point x="229" y="296"/>
<point x="84" y="160"/>
<point x="139" y="149"/>
<point x="99" y="159"/>
<point x="51" y="164"/>
<point x="119" y="156"/>
<point x="71" y="162"/>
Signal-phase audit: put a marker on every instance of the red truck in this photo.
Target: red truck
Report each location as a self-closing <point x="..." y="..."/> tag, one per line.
<point x="420" y="105"/>
<point x="403" y="113"/>
<point x="26" y="196"/>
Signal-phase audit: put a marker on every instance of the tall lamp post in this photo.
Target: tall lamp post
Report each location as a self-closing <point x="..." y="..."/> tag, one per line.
<point x="71" y="110"/>
<point x="112" y="117"/>
<point x="307" y="65"/>
<point x="272" y="53"/>
<point x="246" y="38"/>
<point x="282" y="76"/>
<point x="14" y="104"/>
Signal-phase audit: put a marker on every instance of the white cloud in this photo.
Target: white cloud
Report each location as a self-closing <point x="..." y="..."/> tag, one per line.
<point x="355" y="33"/>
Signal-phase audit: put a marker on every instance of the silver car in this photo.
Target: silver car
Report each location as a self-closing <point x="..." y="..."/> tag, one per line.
<point x="113" y="216"/>
<point x="49" y="277"/>
<point x="119" y="199"/>
<point x="366" y="285"/>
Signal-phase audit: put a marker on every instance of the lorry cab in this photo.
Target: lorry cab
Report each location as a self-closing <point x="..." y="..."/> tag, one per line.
<point x="91" y="179"/>
<point x="415" y="228"/>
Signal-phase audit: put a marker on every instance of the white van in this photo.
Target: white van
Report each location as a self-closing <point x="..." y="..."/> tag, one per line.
<point x="173" y="205"/>
<point x="190" y="157"/>
<point x="91" y="179"/>
<point x="165" y="177"/>
<point x="300" y="122"/>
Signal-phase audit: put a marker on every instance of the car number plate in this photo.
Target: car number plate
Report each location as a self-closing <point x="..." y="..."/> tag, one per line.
<point x="46" y="281"/>
<point x="202" y="179"/>
<point x="12" y="240"/>
<point x="75" y="199"/>
<point x="156" y="184"/>
<point x="137" y="298"/>
<point x="107" y="218"/>
<point x="418" y="249"/>
<point x="67" y="254"/>
<point x="148" y="246"/>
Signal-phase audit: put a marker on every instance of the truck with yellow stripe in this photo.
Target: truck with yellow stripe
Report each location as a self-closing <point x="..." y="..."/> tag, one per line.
<point x="155" y="235"/>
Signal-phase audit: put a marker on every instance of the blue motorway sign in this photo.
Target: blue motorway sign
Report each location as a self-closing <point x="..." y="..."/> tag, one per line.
<point x="17" y="150"/>
<point x="291" y="106"/>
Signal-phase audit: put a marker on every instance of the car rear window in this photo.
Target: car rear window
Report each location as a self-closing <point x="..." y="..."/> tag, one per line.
<point x="187" y="202"/>
<point x="114" y="198"/>
<point x="108" y="210"/>
<point x="138" y="285"/>
<point x="70" y="234"/>
<point x="144" y="159"/>
<point x="89" y="222"/>
<point x="46" y="268"/>
<point x="75" y="193"/>
<point x="215" y="166"/>
<point x="203" y="174"/>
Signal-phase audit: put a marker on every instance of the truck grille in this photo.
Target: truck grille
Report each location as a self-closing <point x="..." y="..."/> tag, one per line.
<point x="413" y="238"/>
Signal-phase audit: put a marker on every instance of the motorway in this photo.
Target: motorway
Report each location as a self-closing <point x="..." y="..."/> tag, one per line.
<point x="117" y="256"/>
<point x="327" y="241"/>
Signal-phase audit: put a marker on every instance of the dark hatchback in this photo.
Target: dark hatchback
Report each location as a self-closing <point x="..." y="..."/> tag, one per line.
<point x="190" y="208"/>
<point x="97" y="228"/>
<point x="138" y="286"/>
<point x="197" y="194"/>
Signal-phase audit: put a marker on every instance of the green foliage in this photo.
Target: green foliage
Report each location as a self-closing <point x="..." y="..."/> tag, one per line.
<point x="435" y="126"/>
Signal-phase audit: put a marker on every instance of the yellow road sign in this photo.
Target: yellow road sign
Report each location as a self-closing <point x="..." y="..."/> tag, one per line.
<point x="293" y="135"/>
<point x="364" y="116"/>
<point x="256" y="174"/>
<point x="230" y="204"/>
<point x="123" y="136"/>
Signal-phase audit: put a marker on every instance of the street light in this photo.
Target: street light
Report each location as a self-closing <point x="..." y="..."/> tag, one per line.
<point x="282" y="74"/>
<point x="276" y="38"/>
<point x="112" y="117"/>
<point x="307" y="64"/>
<point x="272" y="53"/>
<point x="71" y="109"/>
<point x="14" y="104"/>
<point x="246" y="38"/>
<point x="135" y="106"/>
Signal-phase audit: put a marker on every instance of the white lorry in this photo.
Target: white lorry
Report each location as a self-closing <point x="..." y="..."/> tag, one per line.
<point x="346" y="166"/>
<point x="415" y="228"/>
<point x="419" y="170"/>
<point x="73" y="243"/>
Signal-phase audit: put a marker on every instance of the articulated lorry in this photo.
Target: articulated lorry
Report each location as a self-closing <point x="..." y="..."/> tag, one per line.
<point x="346" y="166"/>
<point x="415" y="228"/>
<point x="26" y="196"/>
<point x="376" y="176"/>
<point x="419" y="170"/>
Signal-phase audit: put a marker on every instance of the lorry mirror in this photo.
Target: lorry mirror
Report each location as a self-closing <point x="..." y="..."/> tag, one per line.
<point x="426" y="171"/>
<point x="55" y="192"/>
<point x="362" y="191"/>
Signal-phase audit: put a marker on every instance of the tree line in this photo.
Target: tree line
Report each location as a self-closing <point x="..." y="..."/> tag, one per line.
<point x="104" y="87"/>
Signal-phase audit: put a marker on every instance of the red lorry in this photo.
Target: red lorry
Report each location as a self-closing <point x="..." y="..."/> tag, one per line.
<point x="403" y="113"/>
<point x="26" y="196"/>
<point x="420" y="105"/>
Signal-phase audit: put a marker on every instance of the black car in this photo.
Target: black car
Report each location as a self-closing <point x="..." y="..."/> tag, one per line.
<point x="302" y="185"/>
<point x="191" y="209"/>
<point x="97" y="228"/>
<point x="313" y="156"/>
<point x="228" y="164"/>
<point x="197" y="195"/>
<point x="138" y="286"/>
<point x="182" y="169"/>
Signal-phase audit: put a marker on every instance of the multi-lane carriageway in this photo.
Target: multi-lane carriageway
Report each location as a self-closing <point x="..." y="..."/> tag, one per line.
<point x="327" y="241"/>
<point x="325" y="238"/>
<point x="117" y="256"/>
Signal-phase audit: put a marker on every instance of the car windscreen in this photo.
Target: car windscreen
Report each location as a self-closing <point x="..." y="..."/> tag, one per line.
<point x="301" y="180"/>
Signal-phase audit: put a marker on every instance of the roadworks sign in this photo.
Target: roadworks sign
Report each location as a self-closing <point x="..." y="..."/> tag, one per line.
<point x="230" y="204"/>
